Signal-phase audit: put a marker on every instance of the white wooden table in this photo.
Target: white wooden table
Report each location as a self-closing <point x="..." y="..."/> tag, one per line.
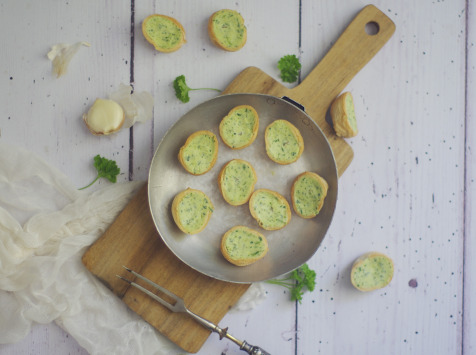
<point x="408" y="192"/>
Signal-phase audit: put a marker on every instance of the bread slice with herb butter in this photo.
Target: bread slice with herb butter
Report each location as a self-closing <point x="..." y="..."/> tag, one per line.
<point x="308" y="193"/>
<point x="239" y="128"/>
<point x="199" y="153"/>
<point x="270" y="209"/>
<point x="284" y="143"/>
<point x="165" y="33"/>
<point x="191" y="210"/>
<point x="371" y="271"/>
<point x="243" y="246"/>
<point x="227" y="30"/>
<point x="237" y="181"/>
<point x="343" y="116"/>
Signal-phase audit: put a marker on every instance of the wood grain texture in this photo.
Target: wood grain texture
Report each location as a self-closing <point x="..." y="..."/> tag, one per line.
<point x="409" y="102"/>
<point x="43" y="103"/>
<point x="469" y="276"/>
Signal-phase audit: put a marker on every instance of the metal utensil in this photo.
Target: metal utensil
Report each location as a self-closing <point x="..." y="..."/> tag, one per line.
<point x="179" y="306"/>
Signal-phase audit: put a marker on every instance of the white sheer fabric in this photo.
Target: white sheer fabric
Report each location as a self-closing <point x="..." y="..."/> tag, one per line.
<point x="46" y="224"/>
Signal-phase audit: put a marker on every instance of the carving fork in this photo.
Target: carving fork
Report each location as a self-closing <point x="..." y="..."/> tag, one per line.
<point x="179" y="306"/>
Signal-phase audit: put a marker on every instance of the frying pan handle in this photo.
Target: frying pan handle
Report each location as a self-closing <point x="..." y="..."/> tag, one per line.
<point x="354" y="48"/>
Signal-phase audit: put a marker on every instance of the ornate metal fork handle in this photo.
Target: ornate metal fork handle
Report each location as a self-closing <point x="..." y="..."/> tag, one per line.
<point x="179" y="306"/>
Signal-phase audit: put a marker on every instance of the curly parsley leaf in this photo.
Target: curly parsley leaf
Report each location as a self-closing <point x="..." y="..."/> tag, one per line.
<point x="106" y="168"/>
<point x="297" y="281"/>
<point x="289" y="67"/>
<point x="182" y="89"/>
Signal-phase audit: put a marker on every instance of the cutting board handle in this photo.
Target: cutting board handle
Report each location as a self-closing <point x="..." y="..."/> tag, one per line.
<point x="354" y="48"/>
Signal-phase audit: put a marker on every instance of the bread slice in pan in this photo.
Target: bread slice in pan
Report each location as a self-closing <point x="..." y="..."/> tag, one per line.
<point x="239" y="128"/>
<point x="165" y="33"/>
<point x="343" y="116"/>
<point x="371" y="271"/>
<point x="284" y="143"/>
<point x="243" y="246"/>
<point x="191" y="210"/>
<point x="199" y="153"/>
<point x="308" y="193"/>
<point x="237" y="181"/>
<point x="227" y="30"/>
<point x="270" y="209"/>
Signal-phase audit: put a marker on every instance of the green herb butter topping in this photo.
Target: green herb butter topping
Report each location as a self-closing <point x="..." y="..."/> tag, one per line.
<point x="237" y="128"/>
<point x="372" y="273"/>
<point x="270" y="210"/>
<point x="349" y="103"/>
<point x="199" y="153"/>
<point x="163" y="32"/>
<point x="282" y="142"/>
<point x="228" y="28"/>
<point x="193" y="210"/>
<point x="241" y="243"/>
<point x="238" y="181"/>
<point x="308" y="195"/>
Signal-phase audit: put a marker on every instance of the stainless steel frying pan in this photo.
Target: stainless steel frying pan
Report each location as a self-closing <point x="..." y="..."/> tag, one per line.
<point x="289" y="247"/>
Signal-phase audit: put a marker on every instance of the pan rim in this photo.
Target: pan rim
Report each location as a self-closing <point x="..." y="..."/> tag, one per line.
<point x="232" y="96"/>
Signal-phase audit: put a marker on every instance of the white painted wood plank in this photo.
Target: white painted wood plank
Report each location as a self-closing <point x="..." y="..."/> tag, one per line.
<point x="43" y="113"/>
<point x="410" y="105"/>
<point x="45" y="339"/>
<point x="469" y="316"/>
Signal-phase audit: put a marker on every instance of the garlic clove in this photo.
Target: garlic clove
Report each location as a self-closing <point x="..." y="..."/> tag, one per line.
<point x="104" y="117"/>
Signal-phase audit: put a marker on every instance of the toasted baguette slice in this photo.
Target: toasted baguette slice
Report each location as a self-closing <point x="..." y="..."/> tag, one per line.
<point x="199" y="153"/>
<point x="284" y="143"/>
<point x="243" y="246"/>
<point x="227" y="30"/>
<point x="237" y="181"/>
<point x="191" y="210"/>
<point x="371" y="271"/>
<point x="239" y="128"/>
<point x="343" y="116"/>
<point x="270" y="209"/>
<point x="308" y="193"/>
<point x="165" y="33"/>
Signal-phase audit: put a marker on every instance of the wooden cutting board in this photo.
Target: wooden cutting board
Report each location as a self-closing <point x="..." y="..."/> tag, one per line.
<point x="133" y="240"/>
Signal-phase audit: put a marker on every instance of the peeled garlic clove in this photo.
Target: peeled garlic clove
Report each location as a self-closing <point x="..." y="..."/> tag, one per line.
<point x="104" y="117"/>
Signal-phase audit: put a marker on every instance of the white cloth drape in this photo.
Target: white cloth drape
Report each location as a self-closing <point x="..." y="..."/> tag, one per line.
<point x="46" y="225"/>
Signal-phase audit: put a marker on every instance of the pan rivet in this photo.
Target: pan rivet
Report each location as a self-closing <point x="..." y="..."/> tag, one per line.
<point x="271" y="101"/>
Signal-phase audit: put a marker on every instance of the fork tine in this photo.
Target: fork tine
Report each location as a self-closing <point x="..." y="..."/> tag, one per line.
<point x="153" y="284"/>
<point x="151" y="294"/>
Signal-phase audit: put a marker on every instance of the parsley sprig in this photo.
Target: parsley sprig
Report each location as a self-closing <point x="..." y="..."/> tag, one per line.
<point x="301" y="278"/>
<point x="182" y="89"/>
<point x="106" y="169"/>
<point x="289" y="67"/>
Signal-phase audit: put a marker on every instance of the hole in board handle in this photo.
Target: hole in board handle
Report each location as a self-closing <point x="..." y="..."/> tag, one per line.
<point x="372" y="28"/>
